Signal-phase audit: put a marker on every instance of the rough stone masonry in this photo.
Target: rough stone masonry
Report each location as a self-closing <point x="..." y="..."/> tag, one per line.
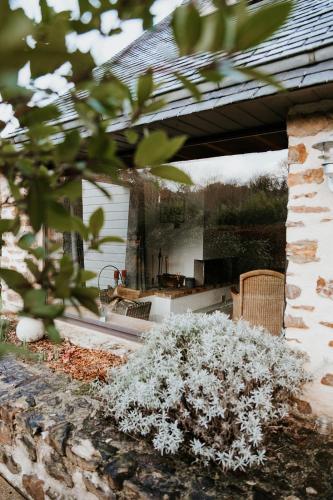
<point x="54" y="445"/>
<point x="309" y="287"/>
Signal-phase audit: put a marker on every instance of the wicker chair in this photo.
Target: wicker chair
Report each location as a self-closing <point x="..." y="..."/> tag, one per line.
<point x="140" y="310"/>
<point x="128" y="304"/>
<point x="260" y="300"/>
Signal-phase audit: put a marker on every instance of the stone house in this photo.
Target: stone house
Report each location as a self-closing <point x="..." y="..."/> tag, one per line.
<point x="242" y="118"/>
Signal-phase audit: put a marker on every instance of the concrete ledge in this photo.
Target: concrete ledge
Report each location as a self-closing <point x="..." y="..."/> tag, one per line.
<point x="94" y="336"/>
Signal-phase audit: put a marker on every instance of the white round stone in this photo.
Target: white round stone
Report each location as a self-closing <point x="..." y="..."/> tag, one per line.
<point x="29" y="329"/>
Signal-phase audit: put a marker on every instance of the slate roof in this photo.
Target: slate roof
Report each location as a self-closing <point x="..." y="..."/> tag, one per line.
<point x="300" y="55"/>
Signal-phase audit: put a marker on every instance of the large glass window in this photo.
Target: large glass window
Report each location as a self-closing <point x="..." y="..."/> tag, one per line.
<point x="184" y="247"/>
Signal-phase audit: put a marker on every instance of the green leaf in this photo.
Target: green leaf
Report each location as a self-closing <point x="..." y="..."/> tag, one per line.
<point x="14" y="27"/>
<point x="157" y="148"/>
<point x="153" y="106"/>
<point x="15" y="280"/>
<point x="38" y="115"/>
<point x="96" y="221"/>
<point x="110" y="239"/>
<point x="132" y="136"/>
<point x="102" y="146"/>
<point x="190" y="86"/>
<point x="36" y="203"/>
<point x="186" y="24"/>
<point x="171" y="173"/>
<point x="85" y="275"/>
<point x="6" y="225"/>
<point x="26" y="166"/>
<point x="68" y="149"/>
<point x="71" y="189"/>
<point x="42" y="132"/>
<point x="34" y="298"/>
<point x="262" y="24"/>
<point x="145" y="87"/>
<point x="87" y="298"/>
<point x="33" y="268"/>
<point x="48" y="311"/>
<point x="211" y="73"/>
<point x="62" y="279"/>
<point x="23" y="352"/>
<point x="112" y="93"/>
<point x="215" y="32"/>
<point x="58" y="217"/>
<point x="53" y="334"/>
<point x="255" y="74"/>
<point x="38" y="252"/>
<point x="80" y="227"/>
<point x="26" y="241"/>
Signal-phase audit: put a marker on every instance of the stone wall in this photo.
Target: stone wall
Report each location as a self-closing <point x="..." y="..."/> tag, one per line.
<point x="309" y="288"/>
<point x="56" y="445"/>
<point x="11" y="256"/>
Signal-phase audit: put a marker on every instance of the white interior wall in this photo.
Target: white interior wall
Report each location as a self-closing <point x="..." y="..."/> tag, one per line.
<point x="162" y="307"/>
<point x="183" y="249"/>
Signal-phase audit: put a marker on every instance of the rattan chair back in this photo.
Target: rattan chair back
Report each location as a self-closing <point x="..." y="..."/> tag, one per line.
<point x="261" y="299"/>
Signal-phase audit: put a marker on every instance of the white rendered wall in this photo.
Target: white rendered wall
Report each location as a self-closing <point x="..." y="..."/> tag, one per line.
<point x="309" y="290"/>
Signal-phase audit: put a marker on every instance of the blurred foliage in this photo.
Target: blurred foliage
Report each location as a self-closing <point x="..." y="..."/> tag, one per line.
<point x="264" y="201"/>
<point x="48" y="159"/>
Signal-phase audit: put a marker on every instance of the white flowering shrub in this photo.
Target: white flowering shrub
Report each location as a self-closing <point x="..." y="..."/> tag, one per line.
<point x="204" y="384"/>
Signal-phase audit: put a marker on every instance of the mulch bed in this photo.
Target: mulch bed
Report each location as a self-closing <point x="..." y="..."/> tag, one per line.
<point x="78" y="362"/>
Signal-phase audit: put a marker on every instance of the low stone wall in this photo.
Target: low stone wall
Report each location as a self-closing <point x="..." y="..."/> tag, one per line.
<point x="55" y="445"/>
<point x="309" y="290"/>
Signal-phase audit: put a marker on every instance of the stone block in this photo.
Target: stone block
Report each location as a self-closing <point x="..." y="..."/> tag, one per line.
<point x="327" y="379"/>
<point x="325" y="287"/>
<point x="12" y="466"/>
<point x="98" y="492"/>
<point x="121" y="468"/>
<point x="297" y="154"/>
<point x="310" y="195"/>
<point x="134" y="491"/>
<point x="58" y="436"/>
<point x="89" y="465"/>
<point x="30" y="447"/>
<point x="10" y="463"/>
<point x="294" y="322"/>
<point x="303" y="209"/>
<point x="7" y="413"/>
<point x="304" y="308"/>
<point x="303" y="406"/>
<point x="304" y="125"/>
<point x="302" y="251"/>
<point x="298" y="223"/>
<point x="56" y="469"/>
<point x="308" y="176"/>
<point x="326" y="323"/>
<point x="6" y="433"/>
<point x="292" y="291"/>
<point x="33" y="486"/>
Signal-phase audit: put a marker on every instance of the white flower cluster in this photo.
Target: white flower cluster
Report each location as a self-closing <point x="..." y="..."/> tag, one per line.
<point x="208" y="385"/>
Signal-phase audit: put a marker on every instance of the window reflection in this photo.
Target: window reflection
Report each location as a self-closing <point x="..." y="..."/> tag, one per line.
<point x="184" y="247"/>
